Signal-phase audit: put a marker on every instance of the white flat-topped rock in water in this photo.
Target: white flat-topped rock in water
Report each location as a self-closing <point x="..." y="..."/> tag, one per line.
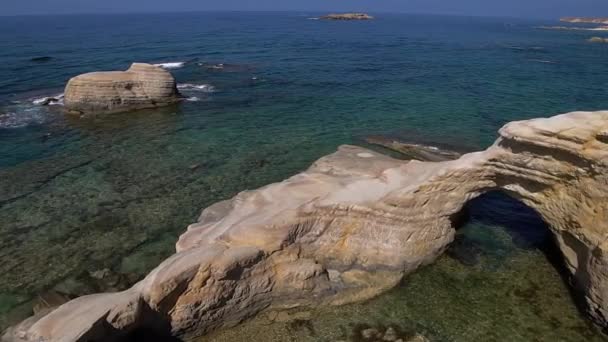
<point x="141" y="86"/>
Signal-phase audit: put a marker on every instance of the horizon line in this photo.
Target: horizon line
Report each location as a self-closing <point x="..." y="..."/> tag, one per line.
<point x="277" y="11"/>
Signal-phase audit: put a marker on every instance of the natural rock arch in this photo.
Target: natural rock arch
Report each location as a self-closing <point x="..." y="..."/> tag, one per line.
<point x="351" y="226"/>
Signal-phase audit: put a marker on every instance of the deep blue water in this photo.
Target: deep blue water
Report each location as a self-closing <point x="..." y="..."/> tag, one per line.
<point x="281" y="90"/>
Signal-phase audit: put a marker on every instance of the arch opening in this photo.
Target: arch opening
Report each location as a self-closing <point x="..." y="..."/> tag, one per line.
<point x="496" y="227"/>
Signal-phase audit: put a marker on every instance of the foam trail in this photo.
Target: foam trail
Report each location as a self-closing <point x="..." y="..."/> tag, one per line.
<point x="49" y="100"/>
<point x="18" y="120"/>
<point x="205" y="88"/>
<point x="171" y="65"/>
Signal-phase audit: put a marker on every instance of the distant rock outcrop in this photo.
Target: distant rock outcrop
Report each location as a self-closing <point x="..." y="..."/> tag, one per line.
<point x="351" y="227"/>
<point x="348" y="16"/>
<point x="598" y="40"/>
<point x="142" y="86"/>
<point x="585" y="20"/>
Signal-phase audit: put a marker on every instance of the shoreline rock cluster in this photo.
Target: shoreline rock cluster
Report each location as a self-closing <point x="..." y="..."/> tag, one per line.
<point x="141" y="86"/>
<point x="350" y="228"/>
<point x="585" y="20"/>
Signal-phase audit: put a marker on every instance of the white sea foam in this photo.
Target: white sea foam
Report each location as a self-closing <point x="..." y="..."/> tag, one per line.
<point x="193" y="99"/>
<point x="204" y="88"/>
<point x="574" y="28"/>
<point x="49" y="100"/>
<point x="171" y="65"/>
<point x="22" y="119"/>
<point x="543" y="61"/>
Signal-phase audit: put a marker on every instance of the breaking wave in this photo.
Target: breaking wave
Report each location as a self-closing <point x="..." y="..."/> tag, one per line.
<point x="171" y="65"/>
<point x="204" y="88"/>
<point x="49" y="100"/>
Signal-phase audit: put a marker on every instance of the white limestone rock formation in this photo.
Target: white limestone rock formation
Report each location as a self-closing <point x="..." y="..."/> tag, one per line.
<point x="142" y="86"/>
<point x="350" y="227"/>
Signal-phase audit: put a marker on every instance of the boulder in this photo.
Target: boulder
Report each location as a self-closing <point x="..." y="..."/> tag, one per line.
<point x="351" y="227"/>
<point x="141" y="86"/>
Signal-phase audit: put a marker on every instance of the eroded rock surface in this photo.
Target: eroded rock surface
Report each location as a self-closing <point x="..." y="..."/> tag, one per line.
<point x="142" y="86"/>
<point x="350" y="227"/>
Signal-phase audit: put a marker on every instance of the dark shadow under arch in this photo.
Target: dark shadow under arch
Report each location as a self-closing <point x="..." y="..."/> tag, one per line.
<point x="524" y="225"/>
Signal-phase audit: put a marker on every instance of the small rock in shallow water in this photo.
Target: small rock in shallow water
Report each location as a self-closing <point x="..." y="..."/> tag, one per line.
<point x="418" y="338"/>
<point x="390" y="335"/>
<point x="369" y="333"/>
<point x="101" y="274"/>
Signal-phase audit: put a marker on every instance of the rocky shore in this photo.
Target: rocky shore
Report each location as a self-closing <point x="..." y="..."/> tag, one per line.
<point x="585" y="20"/>
<point x="141" y="86"/>
<point x="351" y="227"/>
<point x="348" y="16"/>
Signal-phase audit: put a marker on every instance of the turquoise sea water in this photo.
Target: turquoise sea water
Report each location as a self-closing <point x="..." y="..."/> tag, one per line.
<point x="269" y="94"/>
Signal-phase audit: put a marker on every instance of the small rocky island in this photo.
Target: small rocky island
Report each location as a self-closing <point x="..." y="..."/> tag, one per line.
<point x="348" y="16"/>
<point x="598" y="40"/>
<point x="351" y="227"/>
<point x="141" y="86"/>
<point x="585" y="20"/>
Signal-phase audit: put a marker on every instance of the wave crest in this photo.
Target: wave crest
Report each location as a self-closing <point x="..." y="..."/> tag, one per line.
<point x="171" y="65"/>
<point x="204" y="88"/>
<point x="56" y="100"/>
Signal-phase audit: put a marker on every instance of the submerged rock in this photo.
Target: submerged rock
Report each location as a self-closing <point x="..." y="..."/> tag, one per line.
<point x="142" y="86"/>
<point x="348" y="16"/>
<point x="413" y="151"/>
<point x="41" y="59"/>
<point x="368" y="218"/>
<point x="386" y="334"/>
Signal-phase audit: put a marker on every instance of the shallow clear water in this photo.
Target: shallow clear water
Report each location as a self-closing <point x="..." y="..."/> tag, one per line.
<point x="82" y="195"/>
<point x="496" y="283"/>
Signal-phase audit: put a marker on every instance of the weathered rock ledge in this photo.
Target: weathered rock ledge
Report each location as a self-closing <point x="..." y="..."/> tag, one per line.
<point x="350" y="227"/>
<point x="141" y="86"/>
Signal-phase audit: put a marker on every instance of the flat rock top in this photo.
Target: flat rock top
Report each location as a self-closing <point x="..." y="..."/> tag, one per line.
<point x="117" y="76"/>
<point x="348" y="16"/>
